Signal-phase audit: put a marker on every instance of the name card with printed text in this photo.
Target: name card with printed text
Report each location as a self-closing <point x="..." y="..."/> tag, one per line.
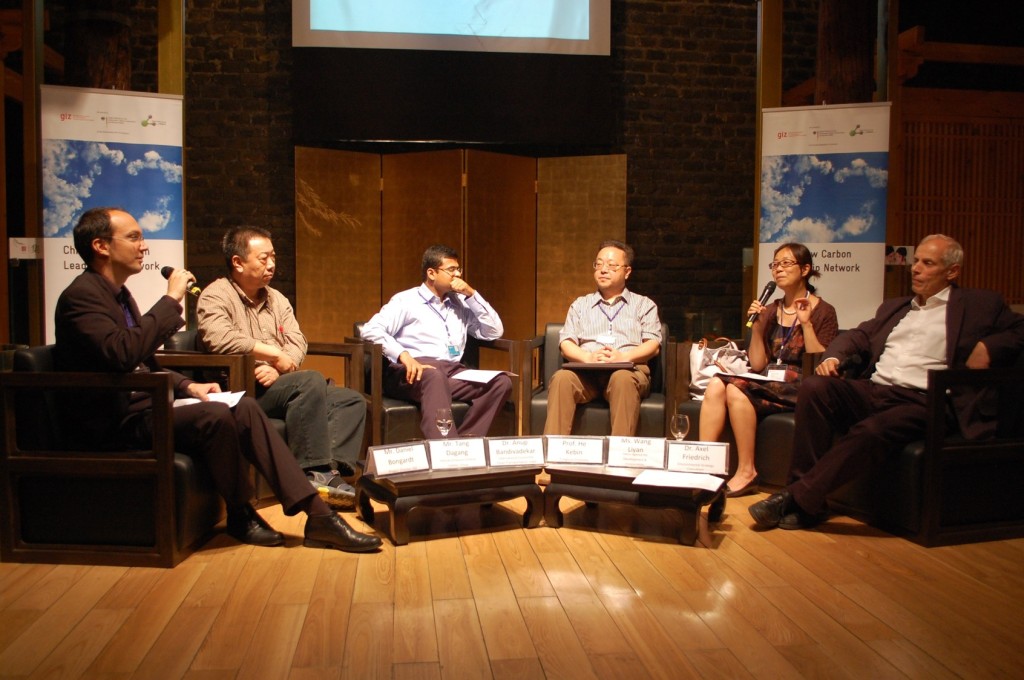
<point x="511" y="451"/>
<point x="457" y="454"/>
<point x="708" y="457"/>
<point x="575" y="450"/>
<point x="390" y="460"/>
<point x="636" y="452"/>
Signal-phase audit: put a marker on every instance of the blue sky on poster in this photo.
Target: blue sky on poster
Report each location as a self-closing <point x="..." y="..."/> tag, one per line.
<point x="144" y="179"/>
<point x="824" y="198"/>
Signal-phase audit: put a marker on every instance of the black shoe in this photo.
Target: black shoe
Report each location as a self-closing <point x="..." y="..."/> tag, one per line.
<point x="246" y="525"/>
<point x="331" y="531"/>
<point x="745" y="490"/>
<point x="769" y="512"/>
<point x="802" y="520"/>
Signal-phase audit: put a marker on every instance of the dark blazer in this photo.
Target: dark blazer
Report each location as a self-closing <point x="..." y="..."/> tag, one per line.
<point x="972" y="316"/>
<point x="93" y="336"/>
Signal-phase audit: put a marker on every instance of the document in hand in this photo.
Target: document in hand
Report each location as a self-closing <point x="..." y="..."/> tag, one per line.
<point x="479" y="376"/>
<point x="229" y="398"/>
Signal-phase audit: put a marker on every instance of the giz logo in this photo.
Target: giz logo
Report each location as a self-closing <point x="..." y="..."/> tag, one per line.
<point x="780" y="135"/>
<point x="65" y="116"/>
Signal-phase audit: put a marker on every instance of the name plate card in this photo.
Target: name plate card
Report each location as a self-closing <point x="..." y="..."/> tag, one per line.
<point x="456" y="454"/>
<point x="708" y="457"/>
<point x="513" y="451"/>
<point x="636" y="452"/>
<point x="389" y="460"/>
<point x="575" y="450"/>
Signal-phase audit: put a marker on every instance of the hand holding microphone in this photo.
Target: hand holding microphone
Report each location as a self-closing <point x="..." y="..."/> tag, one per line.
<point x="189" y="281"/>
<point x="769" y="289"/>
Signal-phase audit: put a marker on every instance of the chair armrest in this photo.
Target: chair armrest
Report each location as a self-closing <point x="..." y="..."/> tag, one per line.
<point x="159" y="385"/>
<point x="239" y="368"/>
<point x="1010" y="418"/>
<point x="353" y="351"/>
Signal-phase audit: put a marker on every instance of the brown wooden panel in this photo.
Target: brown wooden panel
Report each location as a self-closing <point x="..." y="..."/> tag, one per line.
<point x="963" y="159"/>
<point x="581" y="201"/>
<point x="501" y="245"/>
<point x="421" y="206"/>
<point x="337" y="241"/>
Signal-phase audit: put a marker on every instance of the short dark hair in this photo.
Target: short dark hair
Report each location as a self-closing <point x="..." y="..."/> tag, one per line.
<point x="93" y="224"/>
<point x="236" y="242"/>
<point x="802" y="255"/>
<point x="434" y="256"/>
<point x="625" y="248"/>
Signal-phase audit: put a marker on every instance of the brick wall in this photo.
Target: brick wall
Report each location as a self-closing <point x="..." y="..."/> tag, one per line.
<point x="685" y="92"/>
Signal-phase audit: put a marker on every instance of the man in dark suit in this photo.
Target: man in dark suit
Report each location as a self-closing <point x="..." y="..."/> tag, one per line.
<point x="843" y="427"/>
<point x="99" y="328"/>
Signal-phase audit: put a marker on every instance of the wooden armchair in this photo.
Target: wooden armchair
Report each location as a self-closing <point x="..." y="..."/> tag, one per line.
<point x="65" y="503"/>
<point x="394" y="420"/>
<point x="184" y="349"/>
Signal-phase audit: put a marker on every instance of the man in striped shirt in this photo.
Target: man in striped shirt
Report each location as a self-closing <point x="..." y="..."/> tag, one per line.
<point x="610" y="326"/>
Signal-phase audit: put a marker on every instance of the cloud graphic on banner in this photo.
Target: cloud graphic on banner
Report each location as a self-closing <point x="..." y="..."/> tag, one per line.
<point x="79" y="174"/>
<point x="816" y="199"/>
<point x="877" y="177"/>
<point x="153" y="221"/>
<point x="68" y="173"/>
<point x="151" y="160"/>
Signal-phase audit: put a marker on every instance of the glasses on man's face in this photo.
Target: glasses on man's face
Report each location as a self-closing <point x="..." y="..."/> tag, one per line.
<point x="785" y="264"/>
<point x="451" y="271"/>
<point x="599" y="264"/>
<point x="134" y="238"/>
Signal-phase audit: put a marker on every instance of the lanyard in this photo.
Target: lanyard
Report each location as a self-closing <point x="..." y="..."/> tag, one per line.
<point x="601" y="306"/>
<point x="443" y="317"/>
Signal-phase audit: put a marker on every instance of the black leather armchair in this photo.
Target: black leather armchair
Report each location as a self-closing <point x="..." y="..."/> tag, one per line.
<point x="66" y="504"/>
<point x="184" y="348"/>
<point x="593" y="418"/>
<point x="944" y="489"/>
<point x="394" y="420"/>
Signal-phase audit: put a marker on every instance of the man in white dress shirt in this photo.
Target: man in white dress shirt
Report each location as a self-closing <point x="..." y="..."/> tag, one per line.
<point x="423" y="331"/>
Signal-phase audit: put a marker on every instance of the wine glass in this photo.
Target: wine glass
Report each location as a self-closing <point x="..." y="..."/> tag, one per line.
<point x="679" y="426"/>
<point x="444" y="421"/>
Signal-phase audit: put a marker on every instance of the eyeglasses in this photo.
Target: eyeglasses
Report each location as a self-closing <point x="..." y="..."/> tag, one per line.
<point x="451" y="271"/>
<point x="785" y="264"/>
<point x="598" y="264"/>
<point x="131" y="238"/>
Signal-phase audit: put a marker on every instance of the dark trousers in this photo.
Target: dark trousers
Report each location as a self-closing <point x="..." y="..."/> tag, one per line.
<point x="436" y="390"/>
<point x="324" y="422"/>
<point x="843" y="428"/>
<point x="229" y="440"/>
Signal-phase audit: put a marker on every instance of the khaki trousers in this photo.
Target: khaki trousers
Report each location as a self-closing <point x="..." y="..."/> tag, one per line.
<point x="622" y="389"/>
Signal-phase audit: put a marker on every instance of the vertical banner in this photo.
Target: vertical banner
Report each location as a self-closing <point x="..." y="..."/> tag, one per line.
<point x="824" y="178"/>
<point x="111" y="148"/>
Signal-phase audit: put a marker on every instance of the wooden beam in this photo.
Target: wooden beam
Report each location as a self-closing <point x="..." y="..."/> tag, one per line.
<point x="171" y="47"/>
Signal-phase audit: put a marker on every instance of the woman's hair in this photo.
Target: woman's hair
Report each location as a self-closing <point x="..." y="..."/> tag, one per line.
<point x="803" y="257"/>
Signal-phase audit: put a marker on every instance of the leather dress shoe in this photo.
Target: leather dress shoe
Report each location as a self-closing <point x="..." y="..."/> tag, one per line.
<point x="769" y="512"/>
<point x="745" y="490"/>
<point x="331" y="531"/>
<point x="246" y="525"/>
<point x="802" y="520"/>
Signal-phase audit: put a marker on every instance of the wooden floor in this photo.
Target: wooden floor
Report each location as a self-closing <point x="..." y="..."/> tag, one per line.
<point x="610" y="595"/>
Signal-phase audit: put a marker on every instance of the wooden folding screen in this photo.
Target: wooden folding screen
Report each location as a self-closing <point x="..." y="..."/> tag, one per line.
<point x="526" y="230"/>
<point x="581" y="201"/>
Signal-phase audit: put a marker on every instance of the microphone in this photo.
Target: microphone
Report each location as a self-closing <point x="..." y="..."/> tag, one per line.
<point x="850" y="366"/>
<point x="192" y="287"/>
<point x="769" y="288"/>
